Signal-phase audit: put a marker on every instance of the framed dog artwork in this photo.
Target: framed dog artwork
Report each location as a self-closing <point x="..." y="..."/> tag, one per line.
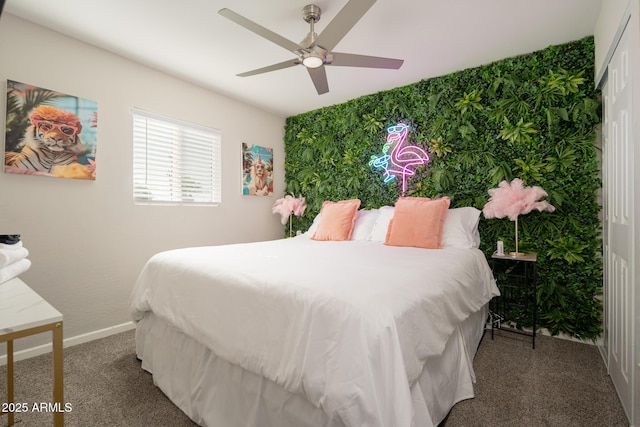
<point x="49" y="133"/>
<point x="257" y="170"/>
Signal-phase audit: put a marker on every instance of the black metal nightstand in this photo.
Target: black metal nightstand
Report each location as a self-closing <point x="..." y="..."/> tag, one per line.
<point x="516" y="279"/>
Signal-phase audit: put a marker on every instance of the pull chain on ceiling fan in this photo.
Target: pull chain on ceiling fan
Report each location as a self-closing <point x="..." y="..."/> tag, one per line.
<point x="315" y="51"/>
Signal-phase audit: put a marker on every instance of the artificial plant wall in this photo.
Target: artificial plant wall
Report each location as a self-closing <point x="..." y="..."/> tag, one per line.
<point x="533" y="117"/>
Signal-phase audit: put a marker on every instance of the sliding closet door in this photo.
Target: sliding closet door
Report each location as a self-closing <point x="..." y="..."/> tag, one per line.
<point x="620" y="185"/>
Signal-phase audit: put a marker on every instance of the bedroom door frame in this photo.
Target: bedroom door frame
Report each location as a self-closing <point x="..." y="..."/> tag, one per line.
<point x="620" y="158"/>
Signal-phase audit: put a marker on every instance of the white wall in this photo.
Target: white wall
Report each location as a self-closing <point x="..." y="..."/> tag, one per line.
<point x="88" y="241"/>
<point x="611" y="13"/>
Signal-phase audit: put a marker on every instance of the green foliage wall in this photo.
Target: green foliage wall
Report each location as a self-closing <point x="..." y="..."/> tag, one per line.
<point x="534" y="117"/>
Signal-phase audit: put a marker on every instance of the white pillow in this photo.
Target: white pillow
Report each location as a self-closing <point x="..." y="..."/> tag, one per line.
<point x="312" y="229"/>
<point x="379" y="232"/>
<point x="461" y="228"/>
<point x="365" y="220"/>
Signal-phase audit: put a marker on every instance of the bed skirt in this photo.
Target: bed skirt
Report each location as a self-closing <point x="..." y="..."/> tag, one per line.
<point x="214" y="392"/>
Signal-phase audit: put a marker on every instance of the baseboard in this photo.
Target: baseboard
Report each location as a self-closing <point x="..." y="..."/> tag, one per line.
<point x="564" y="336"/>
<point x="561" y="335"/>
<point x="68" y="342"/>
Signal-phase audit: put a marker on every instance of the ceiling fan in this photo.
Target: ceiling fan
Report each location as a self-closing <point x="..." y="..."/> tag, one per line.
<point x="315" y="51"/>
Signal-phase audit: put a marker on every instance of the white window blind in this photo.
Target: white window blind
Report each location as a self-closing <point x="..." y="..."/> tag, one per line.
<point x="175" y="162"/>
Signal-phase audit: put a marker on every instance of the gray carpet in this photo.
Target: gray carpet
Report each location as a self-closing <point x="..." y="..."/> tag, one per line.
<point x="103" y="382"/>
<point x="560" y="383"/>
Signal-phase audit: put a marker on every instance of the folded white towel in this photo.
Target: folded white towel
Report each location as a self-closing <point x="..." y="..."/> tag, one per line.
<point x="12" y="255"/>
<point x="11" y="247"/>
<point x="13" y="270"/>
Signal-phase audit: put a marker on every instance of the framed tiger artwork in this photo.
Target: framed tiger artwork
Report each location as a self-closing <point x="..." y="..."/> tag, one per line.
<point x="49" y="133"/>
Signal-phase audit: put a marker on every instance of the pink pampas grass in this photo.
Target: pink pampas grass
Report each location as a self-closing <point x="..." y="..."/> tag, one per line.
<point x="512" y="200"/>
<point x="287" y="206"/>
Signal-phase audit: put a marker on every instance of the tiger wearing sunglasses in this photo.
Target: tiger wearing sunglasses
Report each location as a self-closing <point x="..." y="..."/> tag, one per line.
<point x="52" y="139"/>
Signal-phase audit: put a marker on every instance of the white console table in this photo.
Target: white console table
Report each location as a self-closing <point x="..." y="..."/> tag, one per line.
<point x="22" y="313"/>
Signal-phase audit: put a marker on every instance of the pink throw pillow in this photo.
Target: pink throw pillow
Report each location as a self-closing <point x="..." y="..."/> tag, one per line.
<point x="418" y="222"/>
<point x="337" y="220"/>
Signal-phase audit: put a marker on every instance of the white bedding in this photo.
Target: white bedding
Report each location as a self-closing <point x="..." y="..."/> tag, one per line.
<point x="214" y="392"/>
<point x="348" y="325"/>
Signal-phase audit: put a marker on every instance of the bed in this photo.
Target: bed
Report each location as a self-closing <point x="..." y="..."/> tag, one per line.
<point x="305" y="332"/>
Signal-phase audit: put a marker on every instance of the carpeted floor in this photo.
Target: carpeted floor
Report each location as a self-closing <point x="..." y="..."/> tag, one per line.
<point x="104" y="384"/>
<point x="560" y="383"/>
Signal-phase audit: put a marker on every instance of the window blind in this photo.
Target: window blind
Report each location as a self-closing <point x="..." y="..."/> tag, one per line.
<point x="175" y="162"/>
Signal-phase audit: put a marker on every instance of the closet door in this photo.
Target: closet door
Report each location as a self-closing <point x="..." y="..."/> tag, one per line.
<point x="603" y="341"/>
<point x="620" y="185"/>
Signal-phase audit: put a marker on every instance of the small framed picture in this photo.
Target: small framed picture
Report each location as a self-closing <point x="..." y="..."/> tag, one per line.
<point x="257" y="170"/>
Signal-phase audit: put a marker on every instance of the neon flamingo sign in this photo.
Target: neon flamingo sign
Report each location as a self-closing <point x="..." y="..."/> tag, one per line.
<point x="403" y="158"/>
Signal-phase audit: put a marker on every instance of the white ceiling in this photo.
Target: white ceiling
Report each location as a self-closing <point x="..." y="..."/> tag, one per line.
<point x="190" y="40"/>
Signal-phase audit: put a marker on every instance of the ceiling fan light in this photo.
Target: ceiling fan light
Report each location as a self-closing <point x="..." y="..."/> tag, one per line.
<point x="312" y="61"/>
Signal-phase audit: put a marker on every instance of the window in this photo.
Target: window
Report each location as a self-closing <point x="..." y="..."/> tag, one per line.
<point x="174" y="162"/>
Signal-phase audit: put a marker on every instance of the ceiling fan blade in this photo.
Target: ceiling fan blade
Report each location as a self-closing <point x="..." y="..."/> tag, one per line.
<point x="342" y="23"/>
<point x="352" y="60"/>
<point x="259" y="30"/>
<point x="274" y="67"/>
<point x="319" y="78"/>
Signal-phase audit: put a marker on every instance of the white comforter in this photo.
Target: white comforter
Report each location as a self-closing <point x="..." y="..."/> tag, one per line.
<point x="347" y="324"/>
